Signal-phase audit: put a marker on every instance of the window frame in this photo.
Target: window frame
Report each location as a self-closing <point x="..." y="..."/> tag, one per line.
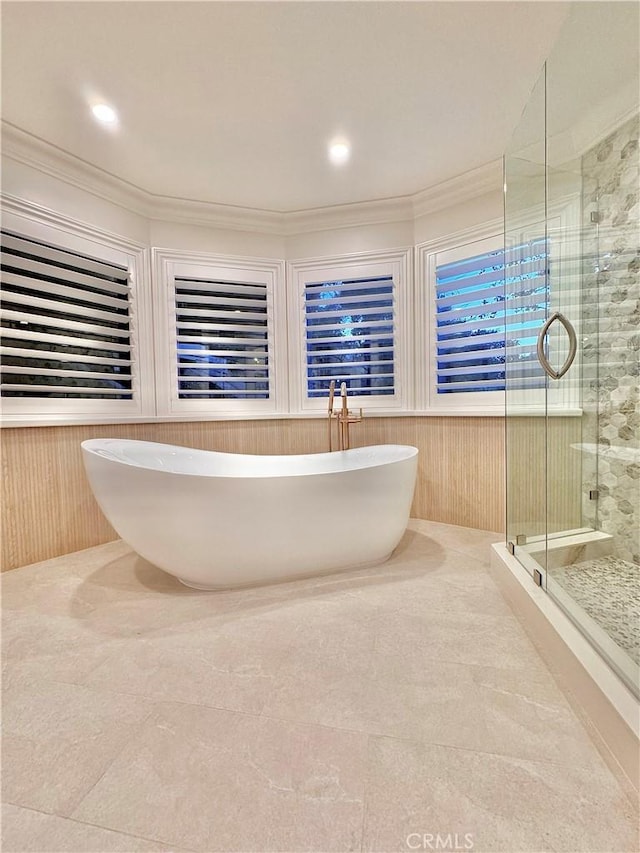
<point x="562" y="400"/>
<point x="467" y="243"/>
<point x="169" y="264"/>
<point x="153" y="325"/>
<point x="36" y="223"/>
<point x="397" y="263"/>
<point x="487" y="399"/>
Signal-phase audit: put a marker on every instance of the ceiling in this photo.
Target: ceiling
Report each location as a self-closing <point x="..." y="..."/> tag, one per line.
<point x="235" y="102"/>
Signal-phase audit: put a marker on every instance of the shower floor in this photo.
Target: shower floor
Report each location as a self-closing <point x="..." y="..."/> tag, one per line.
<point x="608" y="589"/>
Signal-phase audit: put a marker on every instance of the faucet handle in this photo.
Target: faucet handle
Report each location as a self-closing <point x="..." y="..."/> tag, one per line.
<point x="332" y="391"/>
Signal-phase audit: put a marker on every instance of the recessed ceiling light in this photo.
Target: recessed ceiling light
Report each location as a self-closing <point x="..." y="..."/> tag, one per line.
<point x="339" y="152"/>
<point x="104" y="113"/>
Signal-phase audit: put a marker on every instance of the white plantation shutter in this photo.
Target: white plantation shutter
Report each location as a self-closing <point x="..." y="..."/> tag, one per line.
<point x="66" y="325"/>
<point x="349" y="333"/>
<point x="471" y="345"/>
<point x="222" y="340"/>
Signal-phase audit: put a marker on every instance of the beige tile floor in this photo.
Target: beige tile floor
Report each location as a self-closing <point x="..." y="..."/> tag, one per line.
<point x="372" y="710"/>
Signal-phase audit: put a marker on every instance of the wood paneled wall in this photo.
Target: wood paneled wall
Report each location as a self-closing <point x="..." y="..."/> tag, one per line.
<point x="544" y="475"/>
<point x="48" y="507"/>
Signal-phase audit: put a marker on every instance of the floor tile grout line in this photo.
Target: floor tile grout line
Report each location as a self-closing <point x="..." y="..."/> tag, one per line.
<point x="155" y="701"/>
<point x="427" y="743"/>
<point x="536" y="762"/>
<point x="365" y="804"/>
<point x="166" y="701"/>
<point x="97" y="826"/>
<point x="307" y="724"/>
<point x="126" y="741"/>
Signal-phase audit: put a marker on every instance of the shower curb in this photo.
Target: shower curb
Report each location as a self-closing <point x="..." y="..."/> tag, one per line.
<point x="601" y="700"/>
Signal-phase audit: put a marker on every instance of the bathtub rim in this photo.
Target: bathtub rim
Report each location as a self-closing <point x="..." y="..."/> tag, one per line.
<point x="92" y="446"/>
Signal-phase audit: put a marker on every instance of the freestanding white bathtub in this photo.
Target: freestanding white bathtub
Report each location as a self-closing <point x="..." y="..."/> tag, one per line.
<point x="218" y="520"/>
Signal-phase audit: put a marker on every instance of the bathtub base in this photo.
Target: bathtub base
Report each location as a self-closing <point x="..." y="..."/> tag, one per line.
<point x="317" y="574"/>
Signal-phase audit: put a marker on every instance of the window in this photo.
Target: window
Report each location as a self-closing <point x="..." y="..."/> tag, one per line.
<point x="471" y="348"/>
<point x="461" y="297"/>
<point x="88" y="334"/>
<point x="351" y="313"/>
<point x="220" y="346"/>
<point x="349" y="335"/>
<point x="67" y="340"/>
<point x="66" y="329"/>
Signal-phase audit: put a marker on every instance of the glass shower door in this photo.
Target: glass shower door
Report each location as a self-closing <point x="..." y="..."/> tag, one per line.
<point x="572" y="365"/>
<point x="592" y="85"/>
<point x="526" y="311"/>
<point x="563" y="352"/>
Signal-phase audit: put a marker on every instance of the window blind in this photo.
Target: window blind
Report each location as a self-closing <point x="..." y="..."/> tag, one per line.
<point x="222" y="344"/>
<point x="349" y="328"/>
<point x="65" y="323"/>
<point x="472" y="348"/>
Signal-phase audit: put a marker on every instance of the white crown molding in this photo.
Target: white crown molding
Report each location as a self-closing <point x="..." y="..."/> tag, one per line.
<point x="480" y="181"/>
<point x="483" y="231"/>
<point x="601" y="123"/>
<point x="22" y="147"/>
<point x="210" y="214"/>
<point x="374" y="212"/>
<point x="30" y="211"/>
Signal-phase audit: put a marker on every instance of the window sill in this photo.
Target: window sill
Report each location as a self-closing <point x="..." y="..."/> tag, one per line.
<point x="16" y="421"/>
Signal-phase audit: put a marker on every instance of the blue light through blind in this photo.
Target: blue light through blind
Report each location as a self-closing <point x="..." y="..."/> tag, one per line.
<point x="473" y="352"/>
<point x="222" y="340"/>
<point x="349" y="335"/>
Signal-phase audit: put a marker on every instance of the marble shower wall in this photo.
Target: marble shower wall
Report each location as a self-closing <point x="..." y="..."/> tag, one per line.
<point x="611" y="331"/>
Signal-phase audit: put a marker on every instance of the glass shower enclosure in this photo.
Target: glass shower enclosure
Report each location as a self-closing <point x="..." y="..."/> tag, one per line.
<point x="572" y="307"/>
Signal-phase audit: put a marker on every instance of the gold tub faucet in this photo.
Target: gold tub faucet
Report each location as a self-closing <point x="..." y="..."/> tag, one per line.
<point x="343" y="416"/>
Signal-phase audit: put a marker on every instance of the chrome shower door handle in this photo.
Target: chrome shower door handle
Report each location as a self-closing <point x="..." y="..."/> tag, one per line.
<point x="573" y="346"/>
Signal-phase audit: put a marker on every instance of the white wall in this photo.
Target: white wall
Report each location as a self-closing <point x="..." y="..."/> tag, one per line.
<point x="38" y="187"/>
<point x="200" y="238"/>
<point x="467" y="214"/>
<point x="346" y="241"/>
